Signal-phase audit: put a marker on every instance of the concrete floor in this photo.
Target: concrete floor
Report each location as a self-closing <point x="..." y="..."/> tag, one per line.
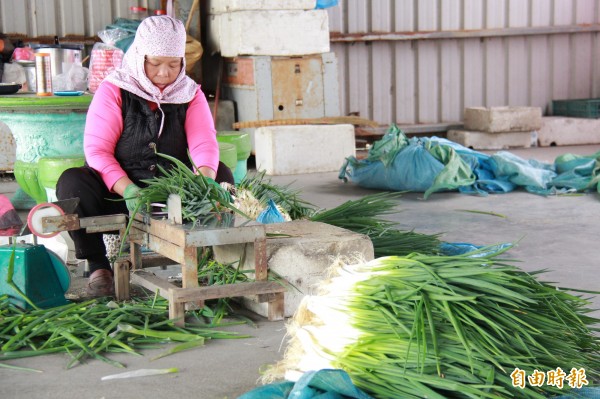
<point x="559" y="234"/>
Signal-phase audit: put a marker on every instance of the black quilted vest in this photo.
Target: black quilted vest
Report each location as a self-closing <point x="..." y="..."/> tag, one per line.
<point x="139" y="142"/>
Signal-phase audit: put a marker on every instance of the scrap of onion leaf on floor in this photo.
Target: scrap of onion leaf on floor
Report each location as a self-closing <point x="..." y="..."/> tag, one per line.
<point x="442" y="327"/>
<point x="93" y="328"/>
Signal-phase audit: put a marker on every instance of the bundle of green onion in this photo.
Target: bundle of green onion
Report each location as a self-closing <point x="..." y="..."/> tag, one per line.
<point x="199" y="197"/>
<point x="442" y="327"/>
<point x="289" y="199"/>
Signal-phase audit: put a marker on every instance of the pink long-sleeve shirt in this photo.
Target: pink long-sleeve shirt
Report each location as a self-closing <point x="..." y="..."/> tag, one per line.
<point x="104" y="125"/>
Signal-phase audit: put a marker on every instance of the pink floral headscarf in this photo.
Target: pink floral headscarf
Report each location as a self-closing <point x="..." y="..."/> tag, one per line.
<point x="159" y="36"/>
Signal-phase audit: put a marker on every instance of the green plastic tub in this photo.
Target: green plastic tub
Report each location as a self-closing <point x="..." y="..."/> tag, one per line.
<point x="243" y="144"/>
<point x="50" y="168"/>
<point x="228" y="155"/>
<point x="26" y="174"/>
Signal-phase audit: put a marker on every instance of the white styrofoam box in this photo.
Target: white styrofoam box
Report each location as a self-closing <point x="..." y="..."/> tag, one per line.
<point x="493" y="141"/>
<point x="560" y="130"/>
<point x="222" y="6"/>
<point x="503" y="119"/>
<point x="289" y="150"/>
<point x="271" y="32"/>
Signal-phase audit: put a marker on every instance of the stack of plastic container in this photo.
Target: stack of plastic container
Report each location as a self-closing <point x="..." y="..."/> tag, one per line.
<point x="138" y="13"/>
<point x="103" y="60"/>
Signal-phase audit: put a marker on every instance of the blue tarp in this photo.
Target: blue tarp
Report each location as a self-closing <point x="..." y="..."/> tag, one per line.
<point x="321" y="384"/>
<point x="583" y="393"/>
<point x="434" y="164"/>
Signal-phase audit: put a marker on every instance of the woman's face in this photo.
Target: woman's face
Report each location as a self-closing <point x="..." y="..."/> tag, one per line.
<point x="162" y="71"/>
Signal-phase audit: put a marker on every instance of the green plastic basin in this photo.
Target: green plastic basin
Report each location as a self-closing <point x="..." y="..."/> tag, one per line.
<point x="50" y="168"/>
<point x="26" y="174"/>
<point x="228" y="155"/>
<point x="242" y="142"/>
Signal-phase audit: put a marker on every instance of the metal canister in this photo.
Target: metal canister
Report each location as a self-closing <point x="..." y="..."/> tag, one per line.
<point x="43" y="74"/>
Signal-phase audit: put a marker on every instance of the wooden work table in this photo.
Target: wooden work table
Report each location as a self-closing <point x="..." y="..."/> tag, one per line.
<point x="180" y="244"/>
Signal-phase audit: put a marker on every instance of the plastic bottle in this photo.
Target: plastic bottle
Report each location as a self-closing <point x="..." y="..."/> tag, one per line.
<point x="160" y="12"/>
<point x="138" y="13"/>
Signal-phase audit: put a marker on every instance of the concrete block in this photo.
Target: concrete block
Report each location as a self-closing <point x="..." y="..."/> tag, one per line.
<point x="503" y="119"/>
<point x="269" y="32"/>
<point x="560" y="130"/>
<point x="289" y="150"/>
<point x="223" y="6"/>
<point x="493" y="141"/>
<point x="302" y="257"/>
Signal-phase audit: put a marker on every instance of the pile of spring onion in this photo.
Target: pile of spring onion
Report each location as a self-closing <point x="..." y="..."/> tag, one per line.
<point x="199" y="197"/>
<point x="93" y="328"/>
<point x="442" y="327"/>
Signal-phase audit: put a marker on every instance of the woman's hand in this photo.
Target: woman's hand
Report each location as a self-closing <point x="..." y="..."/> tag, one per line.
<point x="132" y="196"/>
<point x="220" y="188"/>
<point x="207" y="172"/>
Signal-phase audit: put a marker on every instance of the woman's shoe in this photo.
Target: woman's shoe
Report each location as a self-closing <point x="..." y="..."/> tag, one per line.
<point x="101" y="283"/>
